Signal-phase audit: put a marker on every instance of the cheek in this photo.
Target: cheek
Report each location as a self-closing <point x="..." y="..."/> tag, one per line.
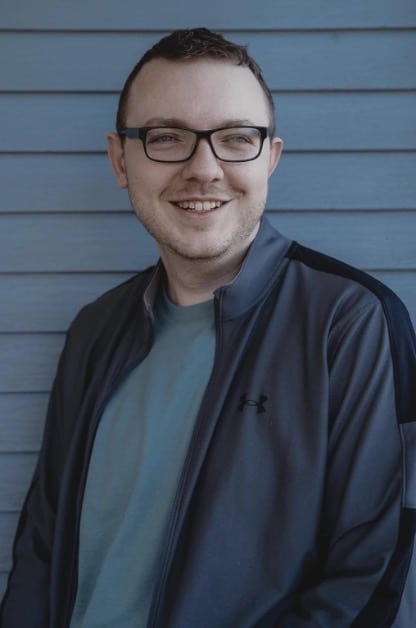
<point x="255" y="182"/>
<point x="150" y="180"/>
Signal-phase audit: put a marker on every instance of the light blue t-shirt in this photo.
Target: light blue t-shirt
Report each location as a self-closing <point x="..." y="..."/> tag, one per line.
<point x="136" y="462"/>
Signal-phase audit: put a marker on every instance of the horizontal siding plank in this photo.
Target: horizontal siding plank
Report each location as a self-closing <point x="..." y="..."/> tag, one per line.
<point x="36" y="303"/>
<point x="16" y="471"/>
<point x="28" y="362"/>
<point x="109" y="242"/>
<point x="113" y="243"/>
<point x="8" y="524"/>
<point x="311" y="121"/>
<point x="303" y="181"/>
<point x="74" y="242"/>
<point x="21" y="422"/>
<point x="290" y="61"/>
<point x="366" y="240"/>
<point x="94" y="14"/>
<point x="48" y="302"/>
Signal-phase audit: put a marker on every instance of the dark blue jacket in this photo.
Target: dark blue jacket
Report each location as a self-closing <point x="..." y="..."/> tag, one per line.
<point x="296" y="505"/>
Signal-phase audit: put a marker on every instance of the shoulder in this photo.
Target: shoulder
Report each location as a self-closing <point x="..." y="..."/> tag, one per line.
<point x="123" y="297"/>
<point x="363" y="308"/>
<point x="345" y="286"/>
<point x="116" y="313"/>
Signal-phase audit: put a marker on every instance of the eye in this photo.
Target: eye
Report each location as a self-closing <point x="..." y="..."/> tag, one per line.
<point x="162" y="139"/>
<point x="165" y="136"/>
<point x="238" y="137"/>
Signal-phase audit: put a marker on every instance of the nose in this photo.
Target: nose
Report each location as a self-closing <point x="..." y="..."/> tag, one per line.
<point x="203" y="165"/>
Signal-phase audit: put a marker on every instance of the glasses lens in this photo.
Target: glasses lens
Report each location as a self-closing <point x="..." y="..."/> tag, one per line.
<point x="169" y="144"/>
<point x="237" y="143"/>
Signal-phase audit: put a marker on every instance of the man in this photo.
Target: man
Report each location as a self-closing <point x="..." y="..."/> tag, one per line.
<point x="231" y="434"/>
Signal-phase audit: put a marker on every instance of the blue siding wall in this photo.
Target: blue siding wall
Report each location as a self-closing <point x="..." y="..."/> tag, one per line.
<point x="344" y="80"/>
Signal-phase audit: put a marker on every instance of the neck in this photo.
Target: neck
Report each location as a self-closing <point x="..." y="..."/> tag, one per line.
<point x="192" y="281"/>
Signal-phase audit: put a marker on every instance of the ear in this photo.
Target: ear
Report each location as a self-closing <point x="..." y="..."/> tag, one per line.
<point x="276" y="147"/>
<point x="116" y="156"/>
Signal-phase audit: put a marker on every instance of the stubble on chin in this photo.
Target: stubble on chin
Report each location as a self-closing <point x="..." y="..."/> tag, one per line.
<point x="234" y="246"/>
<point x="237" y="242"/>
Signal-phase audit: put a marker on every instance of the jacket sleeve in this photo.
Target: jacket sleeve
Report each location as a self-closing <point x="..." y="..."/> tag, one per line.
<point x="369" y="514"/>
<point x="26" y="601"/>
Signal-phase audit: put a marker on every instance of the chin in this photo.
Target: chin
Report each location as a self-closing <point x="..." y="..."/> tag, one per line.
<point x="197" y="246"/>
<point x="200" y="255"/>
<point x="203" y="252"/>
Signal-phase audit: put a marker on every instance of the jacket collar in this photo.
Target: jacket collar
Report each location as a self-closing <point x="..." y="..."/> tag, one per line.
<point x="264" y="262"/>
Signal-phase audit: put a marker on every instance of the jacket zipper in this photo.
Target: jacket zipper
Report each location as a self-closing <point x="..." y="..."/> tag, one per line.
<point x="168" y="553"/>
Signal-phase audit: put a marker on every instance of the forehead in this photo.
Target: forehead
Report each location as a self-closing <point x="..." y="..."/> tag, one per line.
<point x="201" y="92"/>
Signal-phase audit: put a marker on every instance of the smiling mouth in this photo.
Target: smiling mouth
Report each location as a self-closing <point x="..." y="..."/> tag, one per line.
<point x="199" y="206"/>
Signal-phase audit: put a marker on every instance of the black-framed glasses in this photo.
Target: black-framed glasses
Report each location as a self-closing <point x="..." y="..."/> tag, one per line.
<point x="169" y="144"/>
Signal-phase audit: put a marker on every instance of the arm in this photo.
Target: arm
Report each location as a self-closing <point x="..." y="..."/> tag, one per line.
<point x="368" y="523"/>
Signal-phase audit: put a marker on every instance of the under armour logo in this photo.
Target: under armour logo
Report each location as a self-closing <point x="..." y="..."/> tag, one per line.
<point x="251" y="402"/>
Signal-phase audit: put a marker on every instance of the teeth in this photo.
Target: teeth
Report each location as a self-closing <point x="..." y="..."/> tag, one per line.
<point x="200" y="206"/>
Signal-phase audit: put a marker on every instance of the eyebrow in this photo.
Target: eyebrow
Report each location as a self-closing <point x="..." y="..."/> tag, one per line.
<point x="180" y="123"/>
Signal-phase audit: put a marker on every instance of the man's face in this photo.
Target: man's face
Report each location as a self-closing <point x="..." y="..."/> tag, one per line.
<point x="197" y="94"/>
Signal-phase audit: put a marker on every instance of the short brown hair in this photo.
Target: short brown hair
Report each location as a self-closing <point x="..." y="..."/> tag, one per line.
<point x="191" y="44"/>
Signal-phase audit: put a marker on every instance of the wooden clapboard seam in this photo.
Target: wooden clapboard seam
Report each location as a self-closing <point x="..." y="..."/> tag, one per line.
<point x="353" y="212"/>
<point x="19" y="452"/>
<point x="32" y="333"/>
<point x="92" y="273"/>
<point x="161" y="32"/>
<point x="274" y="91"/>
<point x="39" y="391"/>
<point x="29" y="392"/>
<point x="287" y="151"/>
